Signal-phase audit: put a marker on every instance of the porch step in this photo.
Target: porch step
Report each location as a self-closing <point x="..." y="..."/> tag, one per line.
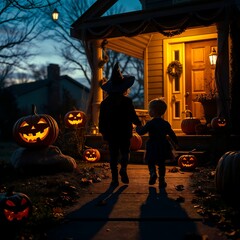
<point x="138" y="156"/>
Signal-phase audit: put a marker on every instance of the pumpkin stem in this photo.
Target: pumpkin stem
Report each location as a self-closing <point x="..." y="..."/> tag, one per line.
<point x="34" y="109"/>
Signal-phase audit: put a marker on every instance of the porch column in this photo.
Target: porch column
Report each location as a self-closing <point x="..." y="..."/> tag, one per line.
<point x="235" y="71"/>
<point x="222" y="70"/>
<point x="97" y="76"/>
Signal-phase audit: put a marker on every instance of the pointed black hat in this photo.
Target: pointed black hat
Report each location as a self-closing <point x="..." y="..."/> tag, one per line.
<point x="118" y="82"/>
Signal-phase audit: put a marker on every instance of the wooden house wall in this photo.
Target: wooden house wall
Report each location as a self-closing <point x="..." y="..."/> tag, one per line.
<point x="155" y="67"/>
<point x="155" y="59"/>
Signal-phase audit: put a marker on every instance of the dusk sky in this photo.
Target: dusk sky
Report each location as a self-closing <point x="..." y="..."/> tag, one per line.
<point x="47" y="51"/>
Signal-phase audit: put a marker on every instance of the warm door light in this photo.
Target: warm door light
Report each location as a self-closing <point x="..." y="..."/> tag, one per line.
<point x="213" y="57"/>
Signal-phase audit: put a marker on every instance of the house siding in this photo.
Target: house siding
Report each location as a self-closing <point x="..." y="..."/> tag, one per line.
<point x="155" y="60"/>
<point x="155" y="67"/>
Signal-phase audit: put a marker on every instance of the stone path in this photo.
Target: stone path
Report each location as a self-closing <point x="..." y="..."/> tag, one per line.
<point x="136" y="211"/>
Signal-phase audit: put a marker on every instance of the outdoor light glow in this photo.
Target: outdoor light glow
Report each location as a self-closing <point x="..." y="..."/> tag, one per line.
<point x="213" y="57"/>
<point x="55" y="14"/>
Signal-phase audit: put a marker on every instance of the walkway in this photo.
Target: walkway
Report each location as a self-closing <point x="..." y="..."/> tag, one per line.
<point x="136" y="212"/>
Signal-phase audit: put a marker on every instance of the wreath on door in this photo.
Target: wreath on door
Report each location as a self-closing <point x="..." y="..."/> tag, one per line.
<point x="175" y="69"/>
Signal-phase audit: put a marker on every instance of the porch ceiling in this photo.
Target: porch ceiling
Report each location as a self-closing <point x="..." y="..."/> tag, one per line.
<point x="134" y="46"/>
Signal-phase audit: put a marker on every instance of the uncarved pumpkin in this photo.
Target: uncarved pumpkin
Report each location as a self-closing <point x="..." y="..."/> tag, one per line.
<point x="36" y="130"/>
<point x="135" y="142"/>
<point x="188" y="125"/>
<point x="227" y="177"/>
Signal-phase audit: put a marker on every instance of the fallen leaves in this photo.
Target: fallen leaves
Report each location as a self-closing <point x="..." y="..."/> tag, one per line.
<point x="210" y="205"/>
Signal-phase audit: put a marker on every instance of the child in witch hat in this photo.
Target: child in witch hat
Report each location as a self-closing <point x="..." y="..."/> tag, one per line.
<point x="117" y="115"/>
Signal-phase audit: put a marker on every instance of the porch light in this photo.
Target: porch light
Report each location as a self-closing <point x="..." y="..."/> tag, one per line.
<point x="94" y="130"/>
<point x="55" y="14"/>
<point x="213" y="57"/>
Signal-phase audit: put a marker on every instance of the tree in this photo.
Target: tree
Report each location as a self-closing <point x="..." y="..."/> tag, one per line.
<point x="21" y="23"/>
<point x="77" y="54"/>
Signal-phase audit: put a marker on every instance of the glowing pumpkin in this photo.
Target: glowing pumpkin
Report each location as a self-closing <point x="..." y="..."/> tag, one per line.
<point x="91" y="155"/>
<point x="36" y="130"/>
<point x="75" y="119"/>
<point x="218" y="122"/>
<point x="135" y="142"/>
<point x="15" y="207"/>
<point x="187" y="162"/>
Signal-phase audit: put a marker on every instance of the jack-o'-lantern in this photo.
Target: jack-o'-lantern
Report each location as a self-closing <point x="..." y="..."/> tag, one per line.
<point x="15" y="207"/>
<point x="187" y="162"/>
<point x="91" y="155"/>
<point x="218" y="122"/>
<point x="135" y="142"/>
<point x="36" y="130"/>
<point x="75" y="119"/>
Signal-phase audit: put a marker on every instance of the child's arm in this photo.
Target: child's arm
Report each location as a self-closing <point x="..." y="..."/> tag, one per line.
<point x="141" y="130"/>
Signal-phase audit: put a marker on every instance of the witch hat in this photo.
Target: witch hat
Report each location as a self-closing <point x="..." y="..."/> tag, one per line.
<point x="118" y="82"/>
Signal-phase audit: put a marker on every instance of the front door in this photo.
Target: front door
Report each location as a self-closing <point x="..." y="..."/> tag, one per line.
<point x="199" y="74"/>
<point x="175" y="87"/>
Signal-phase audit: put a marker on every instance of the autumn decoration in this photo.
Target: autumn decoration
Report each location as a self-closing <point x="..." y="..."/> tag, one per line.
<point x="227" y="180"/>
<point x="135" y="142"/>
<point x="14" y="206"/>
<point x="218" y="122"/>
<point x="187" y="161"/>
<point x="36" y="130"/>
<point x="91" y="155"/>
<point x="188" y="124"/>
<point x="175" y="69"/>
<point x="75" y="119"/>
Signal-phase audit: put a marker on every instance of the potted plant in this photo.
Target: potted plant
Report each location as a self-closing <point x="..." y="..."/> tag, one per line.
<point x="209" y="100"/>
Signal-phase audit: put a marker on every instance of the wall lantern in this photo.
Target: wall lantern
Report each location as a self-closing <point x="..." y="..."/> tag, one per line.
<point x="213" y="57"/>
<point x="55" y="14"/>
<point x="94" y="130"/>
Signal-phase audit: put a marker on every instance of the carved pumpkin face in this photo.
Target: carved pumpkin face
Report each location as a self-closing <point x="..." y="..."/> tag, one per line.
<point x="35" y="130"/>
<point x="218" y="122"/>
<point x="91" y="155"/>
<point x="75" y="119"/>
<point x="15" y="206"/>
<point x="187" y="162"/>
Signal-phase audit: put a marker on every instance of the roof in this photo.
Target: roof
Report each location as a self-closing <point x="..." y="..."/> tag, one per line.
<point x="164" y="20"/>
<point x="24" y="88"/>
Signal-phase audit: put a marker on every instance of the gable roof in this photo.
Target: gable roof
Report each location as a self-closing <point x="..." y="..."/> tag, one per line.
<point x="164" y="20"/>
<point x="24" y="88"/>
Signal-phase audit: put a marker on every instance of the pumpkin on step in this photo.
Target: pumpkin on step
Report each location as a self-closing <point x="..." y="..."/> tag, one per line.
<point x="36" y="130"/>
<point x="227" y="178"/>
<point x="187" y="162"/>
<point x="188" y="124"/>
<point x="218" y="122"/>
<point x="91" y="155"/>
